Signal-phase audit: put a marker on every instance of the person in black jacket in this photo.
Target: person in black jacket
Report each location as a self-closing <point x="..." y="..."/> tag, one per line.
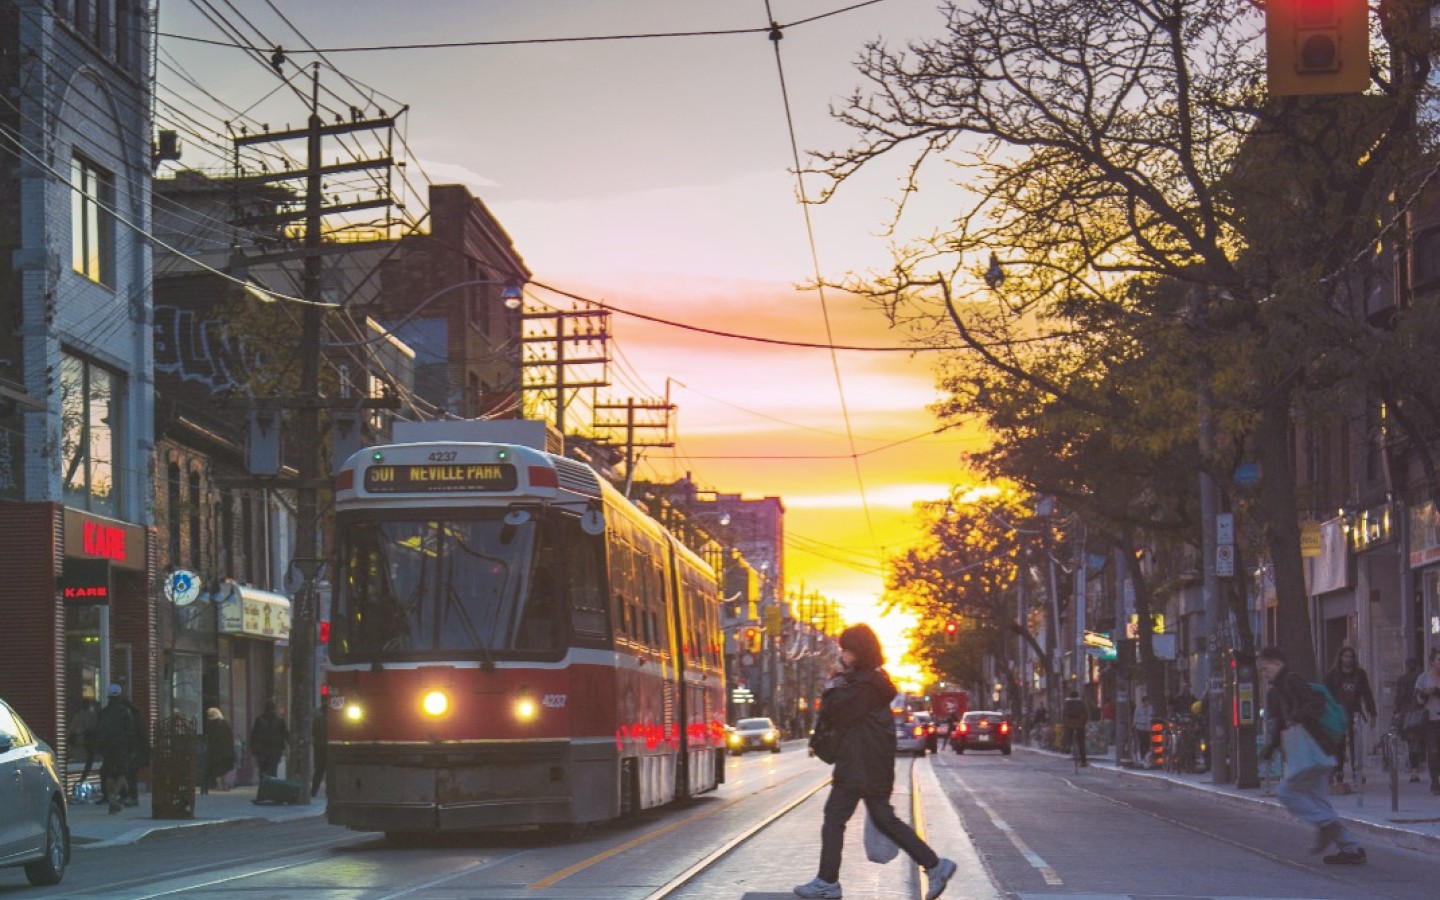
<point x="1293" y="703"/>
<point x="269" y="737"/>
<point x="856" y="703"/>
<point x="1349" y="684"/>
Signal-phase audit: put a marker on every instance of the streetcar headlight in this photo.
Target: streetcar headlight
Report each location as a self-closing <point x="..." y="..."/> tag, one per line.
<point x="353" y="712"/>
<point x="435" y="703"/>
<point x="525" y="709"/>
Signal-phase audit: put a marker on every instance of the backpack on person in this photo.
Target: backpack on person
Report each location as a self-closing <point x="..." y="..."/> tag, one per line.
<point x="1333" y="721"/>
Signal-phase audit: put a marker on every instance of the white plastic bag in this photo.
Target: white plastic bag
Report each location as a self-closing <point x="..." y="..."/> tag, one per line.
<point x="878" y="845"/>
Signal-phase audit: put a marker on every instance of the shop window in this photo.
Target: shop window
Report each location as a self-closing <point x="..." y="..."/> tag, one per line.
<point x="92" y="228"/>
<point x="90" y="435"/>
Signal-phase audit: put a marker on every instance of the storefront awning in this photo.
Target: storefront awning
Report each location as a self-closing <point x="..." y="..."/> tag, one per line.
<point x="251" y="612"/>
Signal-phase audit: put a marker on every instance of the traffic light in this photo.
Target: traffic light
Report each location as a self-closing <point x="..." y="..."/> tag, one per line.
<point x="1317" y="47"/>
<point x="752" y="640"/>
<point x="952" y="632"/>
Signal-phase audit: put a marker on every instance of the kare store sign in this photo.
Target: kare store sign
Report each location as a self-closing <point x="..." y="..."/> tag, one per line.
<point x="95" y="537"/>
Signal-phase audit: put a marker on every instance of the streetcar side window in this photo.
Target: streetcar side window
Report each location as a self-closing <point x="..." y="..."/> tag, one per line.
<point x="589" y="588"/>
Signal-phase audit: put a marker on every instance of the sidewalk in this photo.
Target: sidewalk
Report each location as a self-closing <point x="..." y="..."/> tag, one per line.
<point x="92" y="825"/>
<point x="1415" y="825"/>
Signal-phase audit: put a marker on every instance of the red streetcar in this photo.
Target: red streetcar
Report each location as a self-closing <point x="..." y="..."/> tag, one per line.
<point x="512" y="644"/>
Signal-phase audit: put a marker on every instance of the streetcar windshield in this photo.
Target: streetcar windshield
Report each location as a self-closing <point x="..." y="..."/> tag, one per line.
<point x="459" y="588"/>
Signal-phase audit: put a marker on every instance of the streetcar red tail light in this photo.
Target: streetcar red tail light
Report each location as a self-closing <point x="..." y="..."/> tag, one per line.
<point x="345" y="481"/>
<point x="543" y="477"/>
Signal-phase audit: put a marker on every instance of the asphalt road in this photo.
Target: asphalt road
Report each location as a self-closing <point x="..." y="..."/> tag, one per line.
<point x="1045" y="830"/>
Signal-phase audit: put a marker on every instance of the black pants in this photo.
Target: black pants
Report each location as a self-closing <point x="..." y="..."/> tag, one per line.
<point x="1346" y="748"/>
<point x="1075" y="741"/>
<point x="268" y="761"/>
<point x="840" y="806"/>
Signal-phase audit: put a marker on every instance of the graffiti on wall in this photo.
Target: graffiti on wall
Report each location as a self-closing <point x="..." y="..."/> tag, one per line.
<point x="192" y="347"/>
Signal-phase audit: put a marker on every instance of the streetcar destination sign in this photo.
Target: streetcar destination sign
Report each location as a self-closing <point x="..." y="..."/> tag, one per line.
<point x="430" y="478"/>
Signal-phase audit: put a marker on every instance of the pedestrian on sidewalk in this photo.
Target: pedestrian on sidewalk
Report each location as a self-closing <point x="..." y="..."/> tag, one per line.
<point x="1349" y="684"/>
<point x="1140" y="725"/>
<point x="139" y="753"/>
<point x="269" y="737"/>
<point x="1294" y="709"/>
<point x="1074" y="715"/>
<point x="856" y="704"/>
<point x="1427" y="694"/>
<point x="82" y="735"/>
<point x="1408" y="718"/>
<point x="115" y="738"/>
<point x="219" y="749"/>
<point x="319" y="738"/>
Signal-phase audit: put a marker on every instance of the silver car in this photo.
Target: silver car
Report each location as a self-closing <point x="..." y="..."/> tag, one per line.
<point x="911" y="733"/>
<point x="34" y="826"/>
<point x="754" y="734"/>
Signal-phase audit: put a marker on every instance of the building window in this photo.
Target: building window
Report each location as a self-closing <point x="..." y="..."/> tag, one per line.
<point x="194" y="510"/>
<point x="90" y="435"/>
<point x="92" y="229"/>
<point x="172" y="510"/>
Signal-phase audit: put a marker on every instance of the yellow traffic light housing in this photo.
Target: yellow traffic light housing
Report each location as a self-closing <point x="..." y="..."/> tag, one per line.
<point x="1317" y="47"/>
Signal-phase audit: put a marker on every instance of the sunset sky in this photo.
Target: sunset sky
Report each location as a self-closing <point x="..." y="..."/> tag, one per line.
<point x="655" y="174"/>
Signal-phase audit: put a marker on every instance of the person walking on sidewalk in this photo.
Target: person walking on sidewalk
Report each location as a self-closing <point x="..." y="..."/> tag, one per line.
<point x="1349" y="684"/>
<point x="1293" y="708"/>
<point x="1407" y="719"/>
<point x="219" y="750"/>
<point x="269" y="737"/>
<point x="856" y="703"/>
<point x="82" y="735"/>
<point x="115" y="738"/>
<point x="1140" y="725"/>
<point x="1074" y="715"/>
<point x="1427" y="694"/>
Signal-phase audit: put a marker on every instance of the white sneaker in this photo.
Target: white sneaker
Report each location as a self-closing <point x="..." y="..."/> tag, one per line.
<point x="938" y="878"/>
<point x="822" y="890"/>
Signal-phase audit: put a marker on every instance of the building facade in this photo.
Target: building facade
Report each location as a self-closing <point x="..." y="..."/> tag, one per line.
<point x="76" y="413"/>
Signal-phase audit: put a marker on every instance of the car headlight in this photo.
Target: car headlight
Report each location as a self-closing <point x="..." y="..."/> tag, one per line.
<point x="525" y="709"/>
<point x="770" y="737"/>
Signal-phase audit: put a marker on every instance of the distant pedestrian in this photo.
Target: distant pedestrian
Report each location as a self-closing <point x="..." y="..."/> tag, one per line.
<point x="1408" y="717"/>
<point x="219" y="749"/>
<point x="82" y="735"/>
<point x="1427" y="694"/>
<point x="319" y="736"/>
<point x="1349" y="684"/>
<point x="1140" y="725"/>
<point x="1074" y="715"/>
<point x="139" y="757"/>
<point x="856" y="704"/>
<point x="1293" y="708"/>
<point x="115" y="738"/>
<point x="269" y="737"/>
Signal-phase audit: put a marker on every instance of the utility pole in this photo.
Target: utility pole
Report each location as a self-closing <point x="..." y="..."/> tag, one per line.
<point x="632" y="424"/>
<point x="596" y="325"/>
<point x="1215" y="618"/>
<point x="308" y="550"/>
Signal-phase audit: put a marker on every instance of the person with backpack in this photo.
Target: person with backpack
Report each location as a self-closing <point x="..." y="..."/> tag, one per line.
<point x="115" y="738"/>
<point x="1349" y="684"/>
<point x="1295" y="710"/>
<point x="855" y="707"/>
<point x="1074" y="715"/>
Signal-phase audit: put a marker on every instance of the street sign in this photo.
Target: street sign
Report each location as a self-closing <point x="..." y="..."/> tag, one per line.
<point x="1225" y="560"/>
<point x="182" y="587"/>
<point x="1225" y="528"/>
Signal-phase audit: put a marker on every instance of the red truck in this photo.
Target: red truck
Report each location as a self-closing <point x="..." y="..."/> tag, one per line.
<point x="944" y="705"/>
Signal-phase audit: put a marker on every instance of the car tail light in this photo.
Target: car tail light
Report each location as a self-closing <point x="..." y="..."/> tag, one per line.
<point x="964" y="728"/>
<point x="919" y="731"/>
<point x="1004" y="727"/>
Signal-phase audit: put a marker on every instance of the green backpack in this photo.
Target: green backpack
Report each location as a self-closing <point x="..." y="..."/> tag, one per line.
<point x="1334" y="720"/>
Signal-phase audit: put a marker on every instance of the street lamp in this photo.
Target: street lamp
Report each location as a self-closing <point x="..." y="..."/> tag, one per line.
<point x="511" y="294"/>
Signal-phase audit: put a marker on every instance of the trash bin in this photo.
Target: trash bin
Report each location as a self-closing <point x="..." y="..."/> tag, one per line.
<point x="172" y="769"/>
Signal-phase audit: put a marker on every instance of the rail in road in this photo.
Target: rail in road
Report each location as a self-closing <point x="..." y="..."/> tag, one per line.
<point x="757" y="836"/>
